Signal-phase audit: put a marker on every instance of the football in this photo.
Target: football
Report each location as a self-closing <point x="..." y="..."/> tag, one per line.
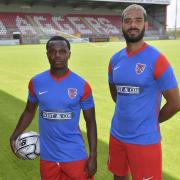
<point x="27" y="145"/>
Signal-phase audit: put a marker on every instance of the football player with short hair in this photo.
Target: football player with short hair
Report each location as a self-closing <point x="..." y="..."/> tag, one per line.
<point x="60" y="95"/>
<point x="139" y="75"/>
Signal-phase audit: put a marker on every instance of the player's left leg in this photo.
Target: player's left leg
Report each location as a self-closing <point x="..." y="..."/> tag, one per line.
<point x="145" y="161"/>
<point x="75" y="170"/>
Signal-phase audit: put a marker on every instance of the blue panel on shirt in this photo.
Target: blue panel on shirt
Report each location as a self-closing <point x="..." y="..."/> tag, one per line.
<point x="139" y="96"/>
<point x="59" y="111"/>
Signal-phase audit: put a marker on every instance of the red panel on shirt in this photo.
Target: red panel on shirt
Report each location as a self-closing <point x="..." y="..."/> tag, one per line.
<point x="87" y="91"/>
<point x="60" y="78"/>
<point x="137" y="51"/>
<point x="31" y="89"/>
<point x="160" y="66"/>
<point x="110" y="68"/>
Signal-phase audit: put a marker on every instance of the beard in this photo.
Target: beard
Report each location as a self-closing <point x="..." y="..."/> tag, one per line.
<point x="133" y="39"/>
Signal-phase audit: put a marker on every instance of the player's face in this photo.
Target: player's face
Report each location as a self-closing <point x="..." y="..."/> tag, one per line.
<point x="133" y="26"/>
<point x="58" y="54"/>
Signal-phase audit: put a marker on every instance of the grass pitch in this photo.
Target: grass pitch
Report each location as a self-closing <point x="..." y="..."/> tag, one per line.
<point x="19" y="63"/>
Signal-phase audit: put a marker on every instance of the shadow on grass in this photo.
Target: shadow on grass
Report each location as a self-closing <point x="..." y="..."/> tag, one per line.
<point x="13" y="168"/>
<point x="168" y="177"/>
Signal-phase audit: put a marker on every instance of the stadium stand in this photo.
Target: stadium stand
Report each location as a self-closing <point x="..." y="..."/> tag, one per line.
<point x="44" y="25"/>
<point x="36" y="26"/>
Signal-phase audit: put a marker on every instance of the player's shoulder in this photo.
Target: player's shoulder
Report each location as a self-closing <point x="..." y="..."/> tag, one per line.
<point x="154" y="55"/>
<point x="117" y="56"/>
<point x="78" y="81"/>
<point x="77" y="78"/>
<point x="41" y="76"/>
<point x="152" y="51"/>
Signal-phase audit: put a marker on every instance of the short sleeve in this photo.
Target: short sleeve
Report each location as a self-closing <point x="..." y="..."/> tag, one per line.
<point x="31" y="94"/>
<point x="86" y="100"/>
<point x="110" y="73"/>
<point x="164" y="75"/>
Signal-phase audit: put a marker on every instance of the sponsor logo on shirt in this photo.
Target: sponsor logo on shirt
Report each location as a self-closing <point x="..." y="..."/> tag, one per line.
<point x="128" y="90"/>
<point x="140" y="68"/>
<point x="72" y="92"/>
<point x="56" y="115"/>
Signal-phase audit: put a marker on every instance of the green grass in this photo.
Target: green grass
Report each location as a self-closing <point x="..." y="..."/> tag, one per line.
<point x="19" y="63"/>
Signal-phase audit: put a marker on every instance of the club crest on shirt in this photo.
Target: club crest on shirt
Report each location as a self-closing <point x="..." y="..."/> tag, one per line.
<point x="72" y="93"/>
<point x="140" y="68"/>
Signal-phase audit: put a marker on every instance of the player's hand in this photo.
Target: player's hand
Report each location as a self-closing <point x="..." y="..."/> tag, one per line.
<point x="13" y="147"/>
<point x="91" y="166"/>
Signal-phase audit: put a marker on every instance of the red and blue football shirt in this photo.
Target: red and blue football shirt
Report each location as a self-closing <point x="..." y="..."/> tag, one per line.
<point x="140" y="79"/>
<point x="60" y="102"/>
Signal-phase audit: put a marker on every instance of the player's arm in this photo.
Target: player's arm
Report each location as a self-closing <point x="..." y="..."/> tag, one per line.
<point x="112" y="87"/>
<point x="165" y="78"/>
<point x="172" y="105"/>
<point x="89" y="116"/>
<point x="24" y="121"/>
<point x="113" y="91"/>
<point x="87" y="105"/>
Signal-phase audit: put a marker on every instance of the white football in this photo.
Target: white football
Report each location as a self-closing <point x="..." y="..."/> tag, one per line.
<point x="27" y="145"/>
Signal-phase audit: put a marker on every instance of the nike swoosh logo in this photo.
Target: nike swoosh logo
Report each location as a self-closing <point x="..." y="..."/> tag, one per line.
<point x="148" y="178"/>
<point x="42" y="92"/>
<point x="116" y="68"/>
